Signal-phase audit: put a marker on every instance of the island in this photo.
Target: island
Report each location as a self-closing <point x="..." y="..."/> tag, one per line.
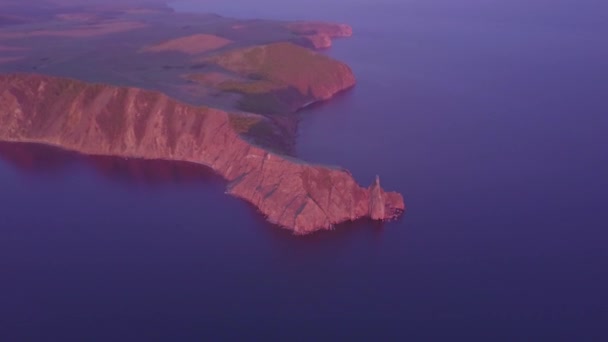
<point x="142" y="81"/>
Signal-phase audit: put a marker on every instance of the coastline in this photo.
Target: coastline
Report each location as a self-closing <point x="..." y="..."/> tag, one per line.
<point x="92" y="116"/>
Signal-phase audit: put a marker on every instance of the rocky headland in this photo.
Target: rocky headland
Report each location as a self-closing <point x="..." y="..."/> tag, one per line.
<point x="197" y="88"/>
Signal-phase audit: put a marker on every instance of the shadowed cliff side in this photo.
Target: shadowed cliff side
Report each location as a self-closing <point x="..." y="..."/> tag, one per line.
<point x="129" y="122"/>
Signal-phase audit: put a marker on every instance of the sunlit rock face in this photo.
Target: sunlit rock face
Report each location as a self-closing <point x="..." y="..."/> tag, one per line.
<point x="199" y="88"/>
<point x="382" y="205"/>
<point x="330" y="29"/>
<point x="130" y="122"/>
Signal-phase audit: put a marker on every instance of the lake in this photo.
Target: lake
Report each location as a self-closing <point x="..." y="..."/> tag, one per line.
<point x="489" y="116"/>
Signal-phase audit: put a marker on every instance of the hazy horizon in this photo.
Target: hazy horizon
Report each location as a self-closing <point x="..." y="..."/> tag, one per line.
<point x="489" y="116"/>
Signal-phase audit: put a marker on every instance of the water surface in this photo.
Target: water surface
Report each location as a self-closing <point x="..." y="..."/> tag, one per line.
<point x="489" y="116"/>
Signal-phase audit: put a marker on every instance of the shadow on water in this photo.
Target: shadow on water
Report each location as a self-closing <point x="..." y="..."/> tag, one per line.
<point x="37" y="159"/>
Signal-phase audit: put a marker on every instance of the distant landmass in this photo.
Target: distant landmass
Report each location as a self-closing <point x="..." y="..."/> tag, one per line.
<point x="138" y="80"/>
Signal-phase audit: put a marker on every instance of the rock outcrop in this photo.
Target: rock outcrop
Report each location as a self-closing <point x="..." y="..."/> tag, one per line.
<point x="129" y="122"/>
<point x="377" y="201"/>
<point x="221" y="92"/>
<point x="382" y="204"/>
<point x="320" y="34"/>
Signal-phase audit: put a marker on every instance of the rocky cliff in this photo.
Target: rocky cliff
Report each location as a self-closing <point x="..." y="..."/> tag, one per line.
<point x="129" y="122"/>
<point x="319" y="34"/>
<point x="220" y="92"/>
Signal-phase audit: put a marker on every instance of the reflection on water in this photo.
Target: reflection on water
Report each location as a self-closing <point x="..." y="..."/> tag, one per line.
<point x="42" y="159"/>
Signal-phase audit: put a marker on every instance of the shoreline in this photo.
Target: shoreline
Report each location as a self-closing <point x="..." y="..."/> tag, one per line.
<point x="96" y="117"/>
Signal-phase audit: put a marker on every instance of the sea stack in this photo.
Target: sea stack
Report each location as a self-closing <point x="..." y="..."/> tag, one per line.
<point x="205" y="91"/>
<point x="376" y="201"/>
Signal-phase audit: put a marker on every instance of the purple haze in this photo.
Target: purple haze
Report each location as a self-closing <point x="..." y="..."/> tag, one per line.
<point x="490" y="117"/>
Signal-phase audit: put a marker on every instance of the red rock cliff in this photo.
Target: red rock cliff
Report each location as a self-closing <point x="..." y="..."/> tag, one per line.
<point x="129" y="122"/>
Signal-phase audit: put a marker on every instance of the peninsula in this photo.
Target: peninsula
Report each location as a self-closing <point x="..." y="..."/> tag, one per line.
<point x="145" y="82"/>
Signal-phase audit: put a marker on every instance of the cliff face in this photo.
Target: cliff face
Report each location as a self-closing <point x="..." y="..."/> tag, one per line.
<point x="130" y="122"/>
<point x="256" y="73"/>
<point x="319" y="34"/>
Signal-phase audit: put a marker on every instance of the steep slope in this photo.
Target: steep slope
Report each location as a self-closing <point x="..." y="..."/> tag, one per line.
<point x="280" y="77"/>
<point x="129" y="122"/>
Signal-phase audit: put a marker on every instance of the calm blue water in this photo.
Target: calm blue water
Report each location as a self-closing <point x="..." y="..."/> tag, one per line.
<point x="490" y="117"/>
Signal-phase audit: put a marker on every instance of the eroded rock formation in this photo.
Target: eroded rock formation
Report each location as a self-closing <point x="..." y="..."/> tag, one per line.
<point x="129" y="122"/>
<point x="220" y="92"/>
<point x="320" y="34"/>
